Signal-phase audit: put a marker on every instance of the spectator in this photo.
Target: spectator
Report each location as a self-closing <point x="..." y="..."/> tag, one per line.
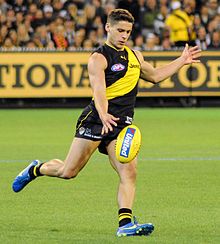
<point x="11" y="16"/>
<point x="23" y="36"/>
<point x="87" y="45"/>
<point x="19" y="18"/>
<point x="42" y="36"/>
<point x="93" y="37"/>
<point x="31" y="45"/>
<point x="163" y="3"/>
<point x="204" y="15"/>
<point x="214" y="24"/>
<point x="69" y="26"/>
<point x="203" y="39"/>
<point x="212" y="8"/>
<point x="8" y="44"/>
<point x="72" y="11"/>
<point x="27" y="23"/>
<point x="14" y="37"/>
<point x="3" y="34"/>
<point x="159" y="21"/>
<point x="166" y="44"/>
<point x="89" y="12"/>
<point x="3" y="7"/>
<point x="99" y="12"/>
<point x="178" y="24"/>
<point x="32" y="10"/>
<point x="81" y="22"/>
<point x="139" y="42"/>
<point x="78" y="40"/>
<point x="48" y="14"/>
<point x="19" y="6"/>
<point x="101" y="37"/>
<point x="215" y="40"/>
<point x="189" y="8"/>
<point x="57" y="7"/>
<point x="149" y="17"/>
<point x="38" y="20"/>
<point x="151" y="42"/>
<point x="59" y="38"/>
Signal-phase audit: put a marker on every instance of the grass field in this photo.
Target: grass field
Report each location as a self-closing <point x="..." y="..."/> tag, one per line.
<point x="178" y="187"/>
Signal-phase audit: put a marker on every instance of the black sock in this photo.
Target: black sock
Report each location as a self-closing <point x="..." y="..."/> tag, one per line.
<point x="124" y="215"/>
<point x="34" y="171"/>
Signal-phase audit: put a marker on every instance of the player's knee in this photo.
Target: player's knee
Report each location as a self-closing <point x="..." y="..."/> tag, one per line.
<point x="129" y="174"/>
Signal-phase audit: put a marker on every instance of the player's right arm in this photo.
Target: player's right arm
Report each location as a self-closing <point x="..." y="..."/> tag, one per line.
<point x="96" y="68"/>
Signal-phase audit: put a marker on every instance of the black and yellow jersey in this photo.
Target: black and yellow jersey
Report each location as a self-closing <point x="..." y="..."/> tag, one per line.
<point x="121" y="75"/>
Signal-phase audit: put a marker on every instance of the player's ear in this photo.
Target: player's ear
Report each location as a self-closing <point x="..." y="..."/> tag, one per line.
<point x="107" y="27"/>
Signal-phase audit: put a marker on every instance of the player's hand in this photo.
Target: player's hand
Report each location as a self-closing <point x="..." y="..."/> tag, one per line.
<point x="108" y="122"/>
<point x="191" y="54"/>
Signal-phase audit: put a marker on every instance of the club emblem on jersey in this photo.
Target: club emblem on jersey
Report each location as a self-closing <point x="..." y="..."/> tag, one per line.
<point x="117" y="67"/>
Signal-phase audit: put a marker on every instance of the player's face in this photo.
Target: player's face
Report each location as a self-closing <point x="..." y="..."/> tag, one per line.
<point x="118" y="33"/>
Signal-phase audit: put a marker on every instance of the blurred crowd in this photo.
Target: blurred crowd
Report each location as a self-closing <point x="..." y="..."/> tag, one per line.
<point x="79" y="25"/>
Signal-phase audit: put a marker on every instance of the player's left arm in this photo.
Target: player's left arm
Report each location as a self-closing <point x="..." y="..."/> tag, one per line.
<point x="148" y="72"/>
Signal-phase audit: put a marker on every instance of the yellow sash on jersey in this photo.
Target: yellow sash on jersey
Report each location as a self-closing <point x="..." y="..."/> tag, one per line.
<point x="129" y="81"/>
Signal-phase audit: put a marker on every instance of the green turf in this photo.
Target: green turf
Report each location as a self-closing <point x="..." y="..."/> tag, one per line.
<point x="178" y="187"/>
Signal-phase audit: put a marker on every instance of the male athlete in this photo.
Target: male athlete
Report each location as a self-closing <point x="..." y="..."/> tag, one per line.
<point x="114" y="71"/>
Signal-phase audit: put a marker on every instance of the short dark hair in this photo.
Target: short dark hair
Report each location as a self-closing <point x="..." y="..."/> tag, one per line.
<point x="120" y="15"/>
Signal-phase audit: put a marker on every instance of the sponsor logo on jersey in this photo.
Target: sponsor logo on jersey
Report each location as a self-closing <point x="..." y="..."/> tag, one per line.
<point x="137" y="66"/>
<point x="126" y="144"/>
<point x="117" y="67"/>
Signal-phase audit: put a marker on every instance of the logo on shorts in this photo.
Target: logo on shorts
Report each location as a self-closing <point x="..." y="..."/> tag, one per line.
<point x="126" y="145"/>
<point x="128" y="120"/>
<point x="81" y="130"/>
<point x="117" y="67"/>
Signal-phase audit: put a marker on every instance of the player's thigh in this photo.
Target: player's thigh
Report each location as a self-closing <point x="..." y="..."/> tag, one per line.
<point x="124" y="170"/>
<point x="79" y="153"/>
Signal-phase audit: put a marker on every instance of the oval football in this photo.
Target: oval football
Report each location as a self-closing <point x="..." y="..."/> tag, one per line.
<point x="128" y="144"/>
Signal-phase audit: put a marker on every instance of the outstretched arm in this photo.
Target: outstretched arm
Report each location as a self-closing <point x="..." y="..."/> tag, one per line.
<point x="148" y="72"/>
<point x="96" y="66"/>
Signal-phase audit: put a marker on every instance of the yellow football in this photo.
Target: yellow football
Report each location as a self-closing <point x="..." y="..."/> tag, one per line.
<point x="128" y="144"/>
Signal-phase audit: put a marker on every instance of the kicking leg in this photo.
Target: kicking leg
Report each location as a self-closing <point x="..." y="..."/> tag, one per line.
<point x="79" y="154"/>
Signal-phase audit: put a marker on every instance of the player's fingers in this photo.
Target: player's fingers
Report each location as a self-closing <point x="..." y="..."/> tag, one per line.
<point x="194" y="47"/>
<point x="196" y="53"/>
<point x="109" y="127"/>
<point x="103" y="131"/>
<point x="114" y="118"/>
<point x="113" y="123"/>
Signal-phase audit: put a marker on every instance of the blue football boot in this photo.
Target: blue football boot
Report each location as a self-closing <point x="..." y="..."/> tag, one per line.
<point x="135" y="229"/>
<point x="24" y="177"/>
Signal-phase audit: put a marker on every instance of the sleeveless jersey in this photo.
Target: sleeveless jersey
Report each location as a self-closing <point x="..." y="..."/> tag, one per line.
<point x="121" y="75"/>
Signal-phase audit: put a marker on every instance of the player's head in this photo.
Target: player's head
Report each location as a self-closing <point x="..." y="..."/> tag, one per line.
<point x="119" y="26"/>
<point x="117" y="15"/>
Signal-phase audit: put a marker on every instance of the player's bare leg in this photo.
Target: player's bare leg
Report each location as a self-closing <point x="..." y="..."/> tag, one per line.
<point x="126" y="193"/>
<point x="79" y="154"/>
<point x="127" y="175"/>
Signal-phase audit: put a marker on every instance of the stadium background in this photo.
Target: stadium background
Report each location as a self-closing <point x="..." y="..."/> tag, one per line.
<point x="45" y="46"/>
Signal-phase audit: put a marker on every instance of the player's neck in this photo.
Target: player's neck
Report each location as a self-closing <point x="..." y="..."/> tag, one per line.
<point x="112" y="46"/>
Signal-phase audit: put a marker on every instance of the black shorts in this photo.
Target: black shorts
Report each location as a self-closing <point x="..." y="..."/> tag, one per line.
<point x="89" y="125"/>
